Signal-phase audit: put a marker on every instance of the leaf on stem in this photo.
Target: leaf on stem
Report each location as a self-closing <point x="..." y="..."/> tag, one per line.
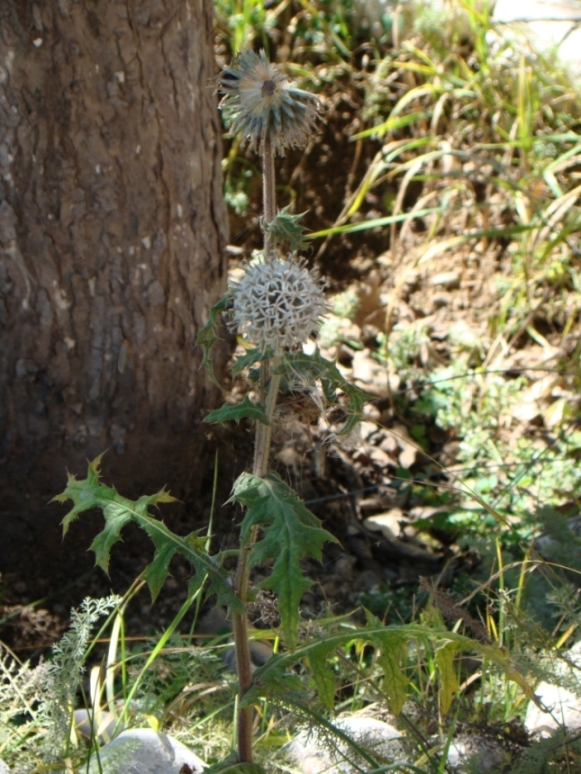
<point x="208" y="336"/>
<point x="251" y="357"/>
<point x="246" y="409"/>
<point x="290" y="531"/>
<point x="287" y="228"/>
<point x="445" y="655"/>
<point x="323" y="675"/>
<point x="392" y="647"/>
<point x="118" y="511"/>
<point x="314" y="367"/>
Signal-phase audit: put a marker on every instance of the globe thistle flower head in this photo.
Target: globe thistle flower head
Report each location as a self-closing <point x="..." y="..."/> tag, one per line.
<point x="260" y="102"/>
<point x="277" y="304"/>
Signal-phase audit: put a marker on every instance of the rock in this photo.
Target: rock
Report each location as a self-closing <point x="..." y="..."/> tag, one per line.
<point x="563" y="706"/>
<point x="564" y="710"/>
<point x="144" y="751"/>
<point x="388" y="523"/>
<point x="104" y="724"/>
<point x="4" y="767"/>
<point x="260" y="653"/>
<point x="476" y="754"/>
<point x="316" y="751"/>
<point x="543" y="26"/>
<point x="446" y="279"/>
<point x="214" y="622"/>
<point x="370" y="375"/>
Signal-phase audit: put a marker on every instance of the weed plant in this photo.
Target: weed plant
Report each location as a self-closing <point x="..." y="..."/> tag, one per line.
<point x="491" y="145"/>
<point x="276" y="308"/>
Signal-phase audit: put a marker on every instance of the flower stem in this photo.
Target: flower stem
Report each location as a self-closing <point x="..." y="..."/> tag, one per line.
<point x="263" y="436"/>
<point x="268" y="194"/>
<point x="239" y="622"/>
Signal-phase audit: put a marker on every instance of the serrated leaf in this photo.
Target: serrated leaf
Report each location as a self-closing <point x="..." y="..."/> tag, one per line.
<point x="207" y="336"/>
<point x="116" y="517"/>
<point x="395" y="682"/>
<point x="118" y="511"/>
<point x="323" y="675"/>
<point x="290" y="532"/>
<point x="244" y="410"/>
<point x="393" y="640"/>
<point x="314" y="367"/>
<point x="445" y="653"/>
<point x="287" y="228"/>
<point x="249" y="359"/>
<point x="279" y="682"/>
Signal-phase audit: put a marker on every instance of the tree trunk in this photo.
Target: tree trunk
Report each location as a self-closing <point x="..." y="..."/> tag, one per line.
<point x="112" y="235"/>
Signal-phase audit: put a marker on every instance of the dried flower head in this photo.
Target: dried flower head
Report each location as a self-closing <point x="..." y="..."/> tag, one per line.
<point x="277" y="304"/>
<point x="260" y="102"/>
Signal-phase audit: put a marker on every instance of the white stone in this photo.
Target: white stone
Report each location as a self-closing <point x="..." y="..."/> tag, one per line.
<point x="104" y="724"/>
<point x="542" y="26"/>
<point x="564" y="710"/>
<point x="144" y="751"/>
<point x="314" y="752"/>
<point x="564" y="706"/>
<point x="475" y="754"/>
<point x="388" y="523"/>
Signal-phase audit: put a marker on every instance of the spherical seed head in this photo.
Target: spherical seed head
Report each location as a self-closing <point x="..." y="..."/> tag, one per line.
<point x="277" y="304"/>
<point x="260" y="102"/>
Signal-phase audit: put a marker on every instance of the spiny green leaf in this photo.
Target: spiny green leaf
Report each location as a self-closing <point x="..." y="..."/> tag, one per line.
<point x="395" y="683"/>
<point x="118" y="511"/>
<point x="392" y="647"/>
<point x="207" y="336"/>
<point x="445" y="653"/>
<point x="323" y="675"/>
<point x="248" y="359"/>
<point x="116" y="517"/>
<point x="290" y="533"/>
<point x="245" y="409"/>
<point x="314" y="367"/>
<point x="287" y="228"/>
<point x="280" y="683"/>
<point x="390" y="639"/>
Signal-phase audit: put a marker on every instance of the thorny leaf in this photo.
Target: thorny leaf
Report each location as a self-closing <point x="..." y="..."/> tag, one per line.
<point x="323" y="675"/>
<point x="314" y="367"/>
<point x="445" y="653"/>
<point x="392" y="647"/>
<point x="245" y="409"/>
<point x="251" y="357"/>
<point x="287" y="228"/>
<point x="207" y="336"/>
<point x="391" y="643"/>
<point x="290" y="533"/>
<point x="90" y="493"/>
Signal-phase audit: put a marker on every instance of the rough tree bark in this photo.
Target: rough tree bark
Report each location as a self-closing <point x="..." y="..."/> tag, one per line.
<point x="112" y="229"/>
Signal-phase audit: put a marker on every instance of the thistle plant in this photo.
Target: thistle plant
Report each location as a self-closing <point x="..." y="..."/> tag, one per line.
<point x="275" y="308"/>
